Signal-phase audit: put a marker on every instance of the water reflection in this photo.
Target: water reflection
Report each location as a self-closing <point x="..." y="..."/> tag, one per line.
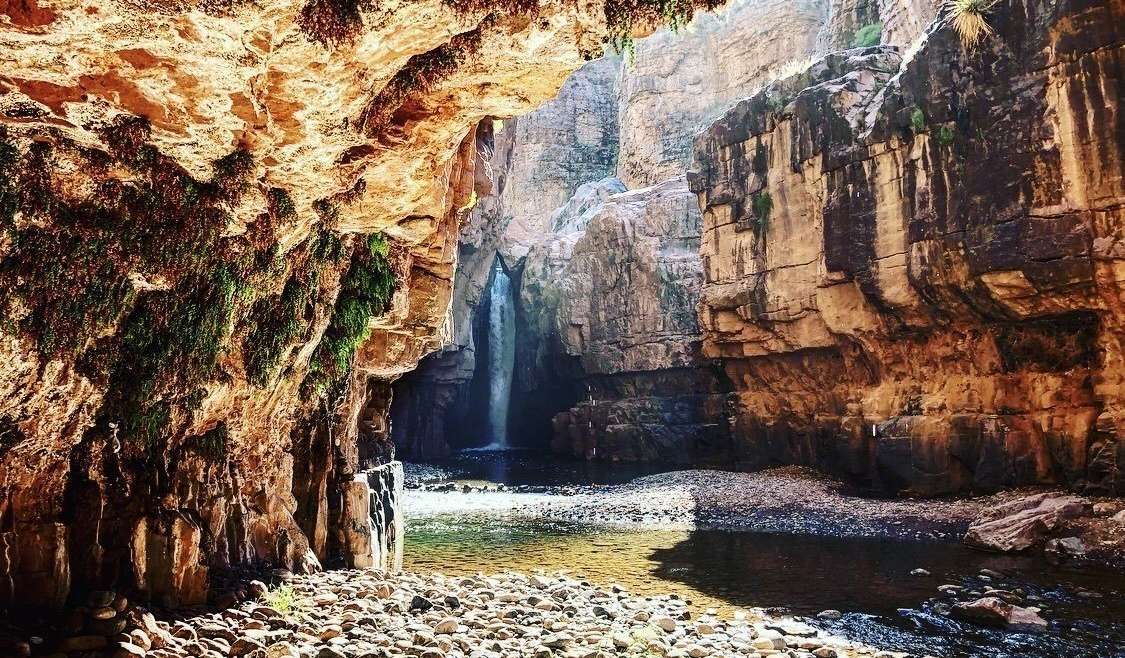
<point x="868" y="579"/>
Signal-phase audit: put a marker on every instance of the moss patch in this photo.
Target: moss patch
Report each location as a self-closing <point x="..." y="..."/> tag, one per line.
<point x="71" y="268"/>
<point x="762" y="203"/>
<point x="868" y="35"/>
<point x="365" y="293"/>
<point x="918" y="120"/>
<point x="279" y="321"/>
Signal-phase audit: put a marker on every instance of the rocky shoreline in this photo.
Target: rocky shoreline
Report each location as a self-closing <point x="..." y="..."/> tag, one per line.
<point x="789" y="499"/>
<point x="373" y="614"/>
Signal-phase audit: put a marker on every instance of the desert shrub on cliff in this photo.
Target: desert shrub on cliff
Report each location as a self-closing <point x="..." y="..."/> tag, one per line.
<point x="868" y="35"/>
<point x="968" y="18"/>
<point x="333" y="22"/>
<point x="762" y="204"/>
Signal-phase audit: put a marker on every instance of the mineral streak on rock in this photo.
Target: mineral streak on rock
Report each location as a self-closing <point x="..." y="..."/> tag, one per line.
<point x="912" y="275"/>
<point x="222" y="236"/>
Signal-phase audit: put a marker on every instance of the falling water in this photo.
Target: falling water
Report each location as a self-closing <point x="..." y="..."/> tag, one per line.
<point x="501" y="356"/>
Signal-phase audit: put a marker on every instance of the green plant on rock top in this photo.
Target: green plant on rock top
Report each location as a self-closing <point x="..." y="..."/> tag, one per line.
<point x="868" y="35"/>
<point x="282" y="599"/>
<point x="918" y="120"/>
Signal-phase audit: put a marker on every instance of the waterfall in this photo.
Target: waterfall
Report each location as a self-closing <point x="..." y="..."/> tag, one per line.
<point x="501" y="356"/>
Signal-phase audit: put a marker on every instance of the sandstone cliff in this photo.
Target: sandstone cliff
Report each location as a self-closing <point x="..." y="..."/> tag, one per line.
<point x="226" y="225"/>
<point x="633" y="342"/>
<point x="911" y="267"/>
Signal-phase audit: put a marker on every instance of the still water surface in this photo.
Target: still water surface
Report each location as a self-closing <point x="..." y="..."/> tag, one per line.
<point x="868" y="579"/>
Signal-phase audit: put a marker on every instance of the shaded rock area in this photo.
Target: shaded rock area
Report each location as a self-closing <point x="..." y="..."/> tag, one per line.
<point x="910" y="258"/>
<point x="226" y="227"/>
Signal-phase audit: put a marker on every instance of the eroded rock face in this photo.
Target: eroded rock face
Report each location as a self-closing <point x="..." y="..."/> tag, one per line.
<point x="898" y="23"/>
<point x="615" y="288"/>
<point x="537" y="161"/>
<point x="607" y="332"/>
<point x="677" y="83"/>
<point x="221" y="238"/>
<point x="910" y="274"/>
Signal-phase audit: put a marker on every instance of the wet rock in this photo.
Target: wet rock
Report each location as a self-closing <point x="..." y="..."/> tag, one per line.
<point x="1066" y="547"/>
<point x="1025" y="522"/>
<point x="991" y="611"/>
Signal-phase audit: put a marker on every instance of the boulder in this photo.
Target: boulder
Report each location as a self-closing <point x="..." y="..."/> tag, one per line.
<point x="1025" y="522"/>
<point x="991" y="611"/>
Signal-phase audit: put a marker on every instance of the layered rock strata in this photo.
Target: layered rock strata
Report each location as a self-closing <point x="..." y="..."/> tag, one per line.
<point x="911" y="267"/>
<point x="225" y="228"/>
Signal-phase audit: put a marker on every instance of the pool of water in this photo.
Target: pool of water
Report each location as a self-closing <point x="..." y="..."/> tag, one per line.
<point x="867" y="579"/>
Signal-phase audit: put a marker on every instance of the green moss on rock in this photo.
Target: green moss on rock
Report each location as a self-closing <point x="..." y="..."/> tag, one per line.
<point x="365" y="293"/>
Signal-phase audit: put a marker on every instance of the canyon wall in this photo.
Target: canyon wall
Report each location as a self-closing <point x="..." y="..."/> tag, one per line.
<point x="537" y="161"/>
<point x="607" y="335"/>
<point x="912" y="267"/>
<point x="226" y="228"/>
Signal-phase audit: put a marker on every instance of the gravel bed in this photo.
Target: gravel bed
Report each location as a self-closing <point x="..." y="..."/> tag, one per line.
<point x="369" y="614"/>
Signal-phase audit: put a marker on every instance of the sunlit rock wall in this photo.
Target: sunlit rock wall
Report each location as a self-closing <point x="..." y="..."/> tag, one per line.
<point x="912" y="276"/>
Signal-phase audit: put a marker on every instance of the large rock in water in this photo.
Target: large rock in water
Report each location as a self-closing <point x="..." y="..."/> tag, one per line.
<point x="1025" y="522"/>
<point x="912" y="265"/>
<point x="991" y="611"/>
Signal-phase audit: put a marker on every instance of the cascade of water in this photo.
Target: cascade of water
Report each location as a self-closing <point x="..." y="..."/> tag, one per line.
<point x="501" y="356"/>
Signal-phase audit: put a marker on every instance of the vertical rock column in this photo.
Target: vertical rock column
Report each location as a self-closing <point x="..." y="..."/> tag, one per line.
<point x="373" y="528"/>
